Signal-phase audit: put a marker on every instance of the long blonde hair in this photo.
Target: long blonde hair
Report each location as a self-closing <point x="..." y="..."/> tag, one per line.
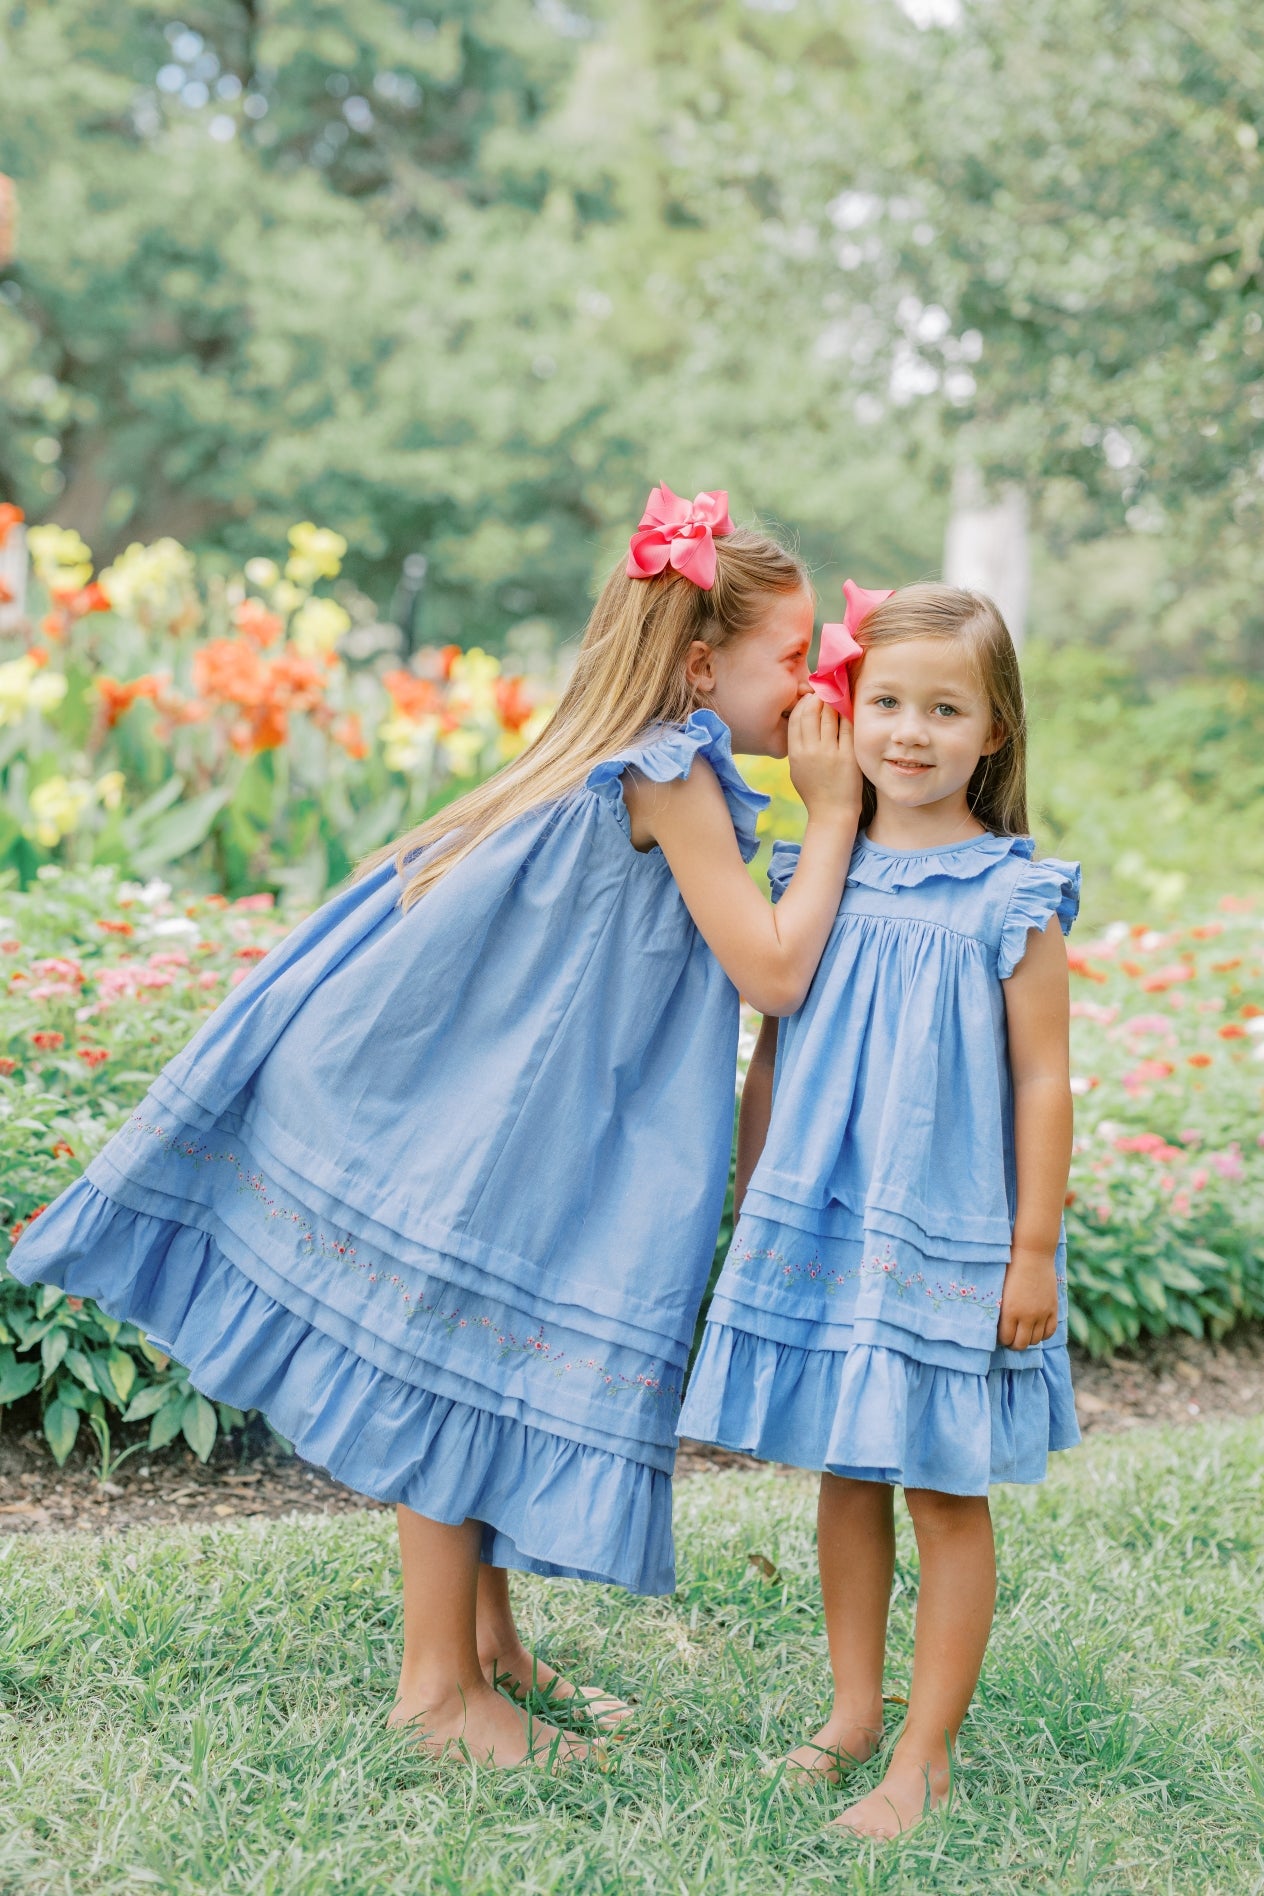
<point x="997" y="791"/>
<point x="629" y="673"/>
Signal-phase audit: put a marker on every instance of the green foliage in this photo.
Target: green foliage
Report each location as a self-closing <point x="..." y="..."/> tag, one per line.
<point x="221" y="1692"/>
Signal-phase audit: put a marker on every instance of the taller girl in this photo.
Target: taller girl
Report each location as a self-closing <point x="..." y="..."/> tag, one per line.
<point x="893" y="1309"/>
<point x="437" y="1187"/>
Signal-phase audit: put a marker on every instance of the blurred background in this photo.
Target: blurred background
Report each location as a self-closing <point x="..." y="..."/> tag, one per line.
<point x="339" y="347"/>
<point x="455" y="283"/>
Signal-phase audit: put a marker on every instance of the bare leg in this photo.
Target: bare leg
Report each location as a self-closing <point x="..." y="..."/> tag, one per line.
<point x="955" y="1603"/>
<point x="507" y="1663"/>
<point x="856" y="1551"/>
<point x="442" y="1689"/>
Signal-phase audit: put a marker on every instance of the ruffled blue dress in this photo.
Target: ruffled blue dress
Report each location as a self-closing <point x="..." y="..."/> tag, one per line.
<point x="438" y="1190"/>
<point x="854" y="1325"/>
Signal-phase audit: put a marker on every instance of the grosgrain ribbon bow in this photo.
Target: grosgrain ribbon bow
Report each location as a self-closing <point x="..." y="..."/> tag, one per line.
<point x="839" y="650"/>
<point x="681" y="533"/>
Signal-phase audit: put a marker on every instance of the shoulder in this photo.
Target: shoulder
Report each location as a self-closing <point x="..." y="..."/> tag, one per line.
<point x="696" y="753"/>
<point x="1039" y="891"/>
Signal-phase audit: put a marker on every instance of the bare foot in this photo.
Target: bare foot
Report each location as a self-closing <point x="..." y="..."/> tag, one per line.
<point x="906" y="1794"/>
<point x="835" y="1749"/>
<point x="484" y="1728"/>
<point x="519" y="1672"/>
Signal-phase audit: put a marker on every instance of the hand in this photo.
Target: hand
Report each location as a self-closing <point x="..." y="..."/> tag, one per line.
<point x="823" y="766"/>
<point x="1029" y="1300"/>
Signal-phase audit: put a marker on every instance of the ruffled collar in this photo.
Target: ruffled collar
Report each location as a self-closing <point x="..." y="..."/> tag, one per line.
<point x="873" y="867"/>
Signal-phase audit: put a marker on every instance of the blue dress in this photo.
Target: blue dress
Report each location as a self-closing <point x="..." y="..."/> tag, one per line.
<point x="438" y="1190"/>
<point x="854" y="1325"/>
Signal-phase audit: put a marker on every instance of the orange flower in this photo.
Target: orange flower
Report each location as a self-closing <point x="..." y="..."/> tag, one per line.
<point x="118" y="698"/>
<point x="1208" y="931"/>
<point x="1226" y="967"/>
<point x="1232" y="1031"/>
<point x="448" y="655"/>
<point x="48" y="1042"/>
<point x="347" y="732"/>
<point x="92" y="1056"/>
<point x="1199" y="1060"/>
<point x="1249" y="1012"/>
<point x="1133" y="968"/>
<point x="53" y="626"/>
<point x="296" y="682"/>
<point x="512" y="703"/>
<point x="256" y="623"/>
<point x="115" y="928"/>
<point x="231" y="671"/>
<point x="412" y="697"/>
<point x="6" y="593"/>
<point x="38" y="656"/>
<point x="63" y="1151"/>
<point x="10" y="517"/>
<point x="8" y="1064"/>
<point x="1080" y="964"/>
<point x="267" y="729"/>
<point x="90" y="598"/>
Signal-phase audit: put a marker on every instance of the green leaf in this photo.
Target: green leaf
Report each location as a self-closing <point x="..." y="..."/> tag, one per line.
<point x="145" y="1401"/>
<point x="61" y="1426"/>
<point x="153" y="1354"/>
<point x="53" y="1348"/>
<point x="200" y="1425"/>
<point x="81" y="1366"/>
<point x="50" y="1295"/>
<point x="178" y="831"/>
<point x="166" y="1424"/>
<point x="122" y="1373"/>
<point x="16" y="1379"/>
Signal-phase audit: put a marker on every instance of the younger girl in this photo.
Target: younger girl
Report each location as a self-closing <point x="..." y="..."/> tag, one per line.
<point x="893" y="1310"/>
<point x="437" y="1187"/>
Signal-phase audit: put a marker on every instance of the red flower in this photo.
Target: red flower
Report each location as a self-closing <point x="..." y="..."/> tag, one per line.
<point x="63" y="1151"/>
<point x="7" y="1064"/>
<point x="6" y="593"/>
<point x="512" y="703"/>
<point x="118" y="698"/>
<point x="10" y="517"/>
<point x="448" y="655"/>
<point x="1232" y="1031"/>
<point x="93" y="1056"/>
<point x="91" y="598"/>
<point x="48" y="1042"/>
<point x="249" y="953"/>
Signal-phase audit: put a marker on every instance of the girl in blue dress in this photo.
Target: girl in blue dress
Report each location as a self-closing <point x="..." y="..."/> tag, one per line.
<point x="893" y="1307"/>
<point x="436" y="1189"/>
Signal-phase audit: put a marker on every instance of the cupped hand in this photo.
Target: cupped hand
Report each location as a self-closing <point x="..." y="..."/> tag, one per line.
<point x="823" y="767"/>
<point x="1029" y="1302"/>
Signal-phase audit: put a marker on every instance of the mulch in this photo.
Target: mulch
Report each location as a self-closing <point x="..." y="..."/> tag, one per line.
<point x="1176" y="1380"/>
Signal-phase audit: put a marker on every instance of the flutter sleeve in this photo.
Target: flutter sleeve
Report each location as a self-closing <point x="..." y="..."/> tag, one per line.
<point x="1044" y="889"/>
<point x="667" y="751"/>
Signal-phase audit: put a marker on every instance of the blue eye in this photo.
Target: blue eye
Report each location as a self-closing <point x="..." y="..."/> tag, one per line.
<point x="884" y="704"/>
<point x="949" y="708"/>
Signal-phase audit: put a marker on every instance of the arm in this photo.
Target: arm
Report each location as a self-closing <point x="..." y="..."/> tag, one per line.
<point x="769" y="954"/>
<point x="752" y="1120"/>
<point x="1037" y="1011"/>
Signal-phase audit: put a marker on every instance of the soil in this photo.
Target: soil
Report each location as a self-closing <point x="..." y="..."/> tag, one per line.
<point x="1177" y="1380"/>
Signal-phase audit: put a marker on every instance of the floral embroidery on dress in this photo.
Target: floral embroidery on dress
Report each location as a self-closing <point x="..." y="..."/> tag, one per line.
<point x="317" y="1242"/>
<point x="881" y="1264"/>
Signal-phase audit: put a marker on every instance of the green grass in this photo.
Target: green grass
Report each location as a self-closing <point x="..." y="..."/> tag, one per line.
<point x="201" y="1710"/>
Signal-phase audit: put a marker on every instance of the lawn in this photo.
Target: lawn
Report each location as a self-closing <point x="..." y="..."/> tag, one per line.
<point x="201" y="1709"/>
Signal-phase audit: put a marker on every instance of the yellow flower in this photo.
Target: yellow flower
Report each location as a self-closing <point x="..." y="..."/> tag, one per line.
<point x="262" y="573"/>
<point x="152" y="583"/>
<point x="57" y="805"/>
<point x="318" y="626"/>
<point x="286" y="596"/>
<point x="408" y="743"/>
<point x="317" y="553"/>
<point x="59" y="556"/>
<point x="24" y="687"/>
<point x="108" y="789"/>
<point x="463" y="751"/>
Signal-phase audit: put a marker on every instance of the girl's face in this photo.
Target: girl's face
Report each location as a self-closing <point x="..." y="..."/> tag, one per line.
<point x="755" y="682"/>
<point x="922" y="722"/>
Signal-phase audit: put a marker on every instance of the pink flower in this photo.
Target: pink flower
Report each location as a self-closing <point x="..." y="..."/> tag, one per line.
<point x="1228" y="1163"/>
<point x="1199" y="1180"/>
<point x="208" y="980"/>
<point x="1148" y="1024"/>
<point x="264" y="900"/>
<point x="1094" y="1010"/>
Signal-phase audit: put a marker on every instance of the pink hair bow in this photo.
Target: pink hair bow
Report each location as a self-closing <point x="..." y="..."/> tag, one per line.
<point x="680" y="532"/>
<point x="839" y="650"/>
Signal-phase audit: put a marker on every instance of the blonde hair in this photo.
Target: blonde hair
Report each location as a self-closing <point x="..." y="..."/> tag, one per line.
<point x="997" y="791"/>
<point x="629" y="673"/>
